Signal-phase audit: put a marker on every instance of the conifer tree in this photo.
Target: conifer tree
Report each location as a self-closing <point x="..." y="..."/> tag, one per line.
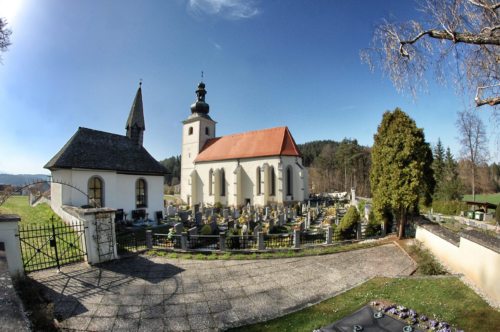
<point x="401" y="171"/>
<point x="438" y="162"/>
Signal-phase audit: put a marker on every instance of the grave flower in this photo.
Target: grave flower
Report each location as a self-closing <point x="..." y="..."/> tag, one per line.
<point x="403" y="315"/>
<point x="412" y="320"/>
<point x="412" y="313"/>
<point x="423" y="318"/>
<point x="402" y="308"/>
<point x="433" y="323"/>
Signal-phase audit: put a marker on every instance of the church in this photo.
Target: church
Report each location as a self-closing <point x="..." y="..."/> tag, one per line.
<point x="262" y="167"/>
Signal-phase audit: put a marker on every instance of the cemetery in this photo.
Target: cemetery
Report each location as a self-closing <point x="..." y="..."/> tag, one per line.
<point x="316" y="222"/>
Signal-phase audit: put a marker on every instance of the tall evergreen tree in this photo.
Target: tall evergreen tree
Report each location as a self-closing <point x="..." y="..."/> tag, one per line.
<point x="438" y="162"/>
<point x="452" y="187"/>
<point x="401" y="171"/>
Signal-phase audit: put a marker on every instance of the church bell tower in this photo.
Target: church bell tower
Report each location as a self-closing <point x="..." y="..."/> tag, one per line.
<point x="196" y="130"/>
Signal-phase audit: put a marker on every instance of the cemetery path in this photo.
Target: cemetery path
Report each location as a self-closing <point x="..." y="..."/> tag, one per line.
<point x="144" y="293"/>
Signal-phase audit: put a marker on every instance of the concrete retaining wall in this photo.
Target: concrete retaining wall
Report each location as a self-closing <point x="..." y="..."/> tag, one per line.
<point x="472" y="256"/>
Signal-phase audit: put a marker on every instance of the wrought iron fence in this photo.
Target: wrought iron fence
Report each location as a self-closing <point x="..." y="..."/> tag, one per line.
<point x="203" y="242"/>
<point x="131" y="241"/>
<point x="243" y="242"/>
<point x="312" y="238"/>
<point x="51" y="245"/>
<point x="276" y="241"/>
<point x="166" y="241"/>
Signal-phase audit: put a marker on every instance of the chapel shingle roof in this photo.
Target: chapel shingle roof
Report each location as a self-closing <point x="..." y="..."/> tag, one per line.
<point x="260" y="143"/>
<point x="94" y="149"/>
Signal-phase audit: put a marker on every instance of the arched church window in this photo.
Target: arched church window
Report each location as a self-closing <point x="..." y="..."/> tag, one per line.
<point x="289" y="181"/>
<point x="258" y="181"/>
<point x="222" y="182"/>
<point x="95" y="189"/>
<point x="210" y="182"/>
<point x="190" y="131"/>
<point x="272" y="177"/>
<point x="141" y="193"/>
<point x="207" y="131"/>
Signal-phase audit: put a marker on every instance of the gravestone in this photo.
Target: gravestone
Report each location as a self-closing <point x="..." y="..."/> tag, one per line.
<point x="301" y="225"/>
<point x="184" y="215"/>
<point x="179" y="228"/>
<point x="252" y="224"/>
<point x="256" y="230"/>
<point x="193" y="231"/>
<point x="244" y="230"/>
<point x="267" y="211"/>
<point x="198" y="218"/>
<point x="236" y="213"/>
<point x="271" y="224"/>
<point x="170" y="211"/>
<point x="281" y="220"/>
<point x="225" y="213"/>
<point x="213" y="226"/>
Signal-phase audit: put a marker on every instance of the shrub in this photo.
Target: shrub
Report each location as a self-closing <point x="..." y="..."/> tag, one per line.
<point x="374" y="227"/>
<point x="278" y="230"/>
<point x="452" y="208"/>
<point x="206" y="230"/>
<point x="348" y="224"/>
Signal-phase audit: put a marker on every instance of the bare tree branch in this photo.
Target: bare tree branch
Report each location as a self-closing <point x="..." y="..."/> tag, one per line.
<point x="464" y="51"/>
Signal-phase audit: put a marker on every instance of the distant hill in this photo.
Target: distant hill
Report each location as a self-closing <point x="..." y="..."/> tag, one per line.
<point x="21" y="179"/>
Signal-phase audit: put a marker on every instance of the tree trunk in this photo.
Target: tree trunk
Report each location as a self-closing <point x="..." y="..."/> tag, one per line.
<point x="402" y="223"/>
<point x="473" y="183"/>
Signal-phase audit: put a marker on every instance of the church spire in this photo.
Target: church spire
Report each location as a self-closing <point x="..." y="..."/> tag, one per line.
<point x="200" y="106"/>
<point x="135" y="123"/>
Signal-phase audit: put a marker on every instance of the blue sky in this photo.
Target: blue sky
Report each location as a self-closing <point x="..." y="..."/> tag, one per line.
<point x="266" y="63"/>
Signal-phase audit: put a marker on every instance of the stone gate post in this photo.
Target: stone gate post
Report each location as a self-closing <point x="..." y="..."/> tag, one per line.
<point x="9" y="226"/>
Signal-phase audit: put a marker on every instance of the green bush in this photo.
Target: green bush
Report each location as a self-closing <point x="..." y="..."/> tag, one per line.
<point x="206" y="230"/>
<point x="374" y="227"/>
<point x="278" y="230"/>
<point x="348" y="224"/>
<point x="452" y="208"/>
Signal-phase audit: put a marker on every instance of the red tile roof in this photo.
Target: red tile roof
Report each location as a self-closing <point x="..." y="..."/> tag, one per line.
<point x="260" y="143"/>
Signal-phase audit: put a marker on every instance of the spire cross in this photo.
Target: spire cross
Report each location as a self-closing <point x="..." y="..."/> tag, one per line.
<point x="140" y="81"/>
<point x="202" y="75"/>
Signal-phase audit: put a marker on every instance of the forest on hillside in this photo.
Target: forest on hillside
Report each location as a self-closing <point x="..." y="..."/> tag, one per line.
<point x="337" y="166"/>
<point x="340" y="166"/>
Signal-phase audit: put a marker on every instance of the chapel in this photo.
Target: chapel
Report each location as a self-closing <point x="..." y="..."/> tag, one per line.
<point x="261" y="167"/>
<point x="108" y="170"/>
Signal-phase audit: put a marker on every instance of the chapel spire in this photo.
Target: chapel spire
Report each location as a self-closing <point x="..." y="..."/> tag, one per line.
<point x="135" y="123"/>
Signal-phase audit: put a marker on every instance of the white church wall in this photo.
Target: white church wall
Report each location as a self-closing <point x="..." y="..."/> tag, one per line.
<point x="249" y="180"/>
<point x="119" y="190"/>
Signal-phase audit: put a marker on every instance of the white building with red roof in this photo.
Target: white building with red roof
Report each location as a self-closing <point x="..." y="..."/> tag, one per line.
<point x="259" y="167"/>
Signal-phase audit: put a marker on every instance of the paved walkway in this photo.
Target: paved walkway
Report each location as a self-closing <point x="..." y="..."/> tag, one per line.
<point x="156" y="294"/>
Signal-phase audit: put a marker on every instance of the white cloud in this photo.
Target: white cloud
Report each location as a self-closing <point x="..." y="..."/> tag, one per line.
<point x="231" y="9"/>
<point x="217" y="46"/>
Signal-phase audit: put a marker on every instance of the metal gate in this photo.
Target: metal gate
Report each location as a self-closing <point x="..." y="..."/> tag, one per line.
<point x="51" y="245"/>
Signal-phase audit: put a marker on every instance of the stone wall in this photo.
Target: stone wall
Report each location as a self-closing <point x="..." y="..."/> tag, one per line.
<point x="472" y="253"/>
<point x="12" y="316"/>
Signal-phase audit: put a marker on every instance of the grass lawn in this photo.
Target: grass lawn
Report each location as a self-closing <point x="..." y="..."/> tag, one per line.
<point x="35" y="234"/>
<point x="38" y="215"/>
<point x="444" y="298"/>
<point x="491" y="198"/>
